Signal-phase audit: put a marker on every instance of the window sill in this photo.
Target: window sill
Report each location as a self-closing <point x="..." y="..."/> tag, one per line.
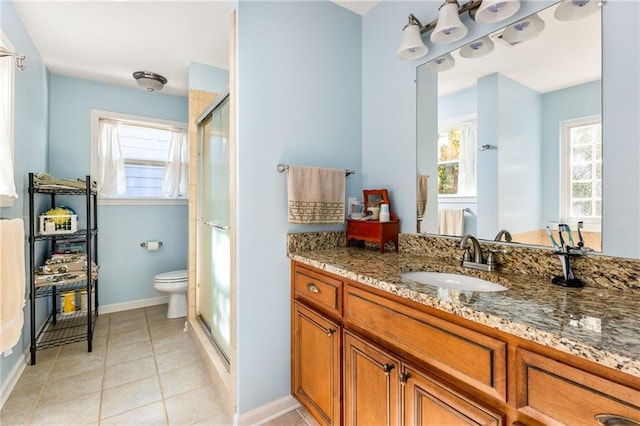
<point x="457" y="199"/>
<point x="112" y="201"/>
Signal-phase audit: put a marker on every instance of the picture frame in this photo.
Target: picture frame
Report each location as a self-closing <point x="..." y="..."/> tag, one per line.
<point x="375" y="197"/>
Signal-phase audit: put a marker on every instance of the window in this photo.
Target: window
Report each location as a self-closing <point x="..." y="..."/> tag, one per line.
<point x="457" y="161"/>
<point x="8" y="192"/>
<point x="582" y="170"/>
<point x="139" y="159"/>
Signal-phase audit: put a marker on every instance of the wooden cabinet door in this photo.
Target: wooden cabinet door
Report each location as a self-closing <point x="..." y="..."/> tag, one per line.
<point x="316" y="364"/>
<point x="429" y="402"/>
<point x="371" y="384"/>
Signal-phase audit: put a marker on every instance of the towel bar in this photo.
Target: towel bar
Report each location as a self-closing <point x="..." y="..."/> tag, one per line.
<point x="282" y="167"/>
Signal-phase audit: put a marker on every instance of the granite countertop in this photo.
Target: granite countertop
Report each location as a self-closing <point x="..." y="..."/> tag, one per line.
<point x="597" y="324"/>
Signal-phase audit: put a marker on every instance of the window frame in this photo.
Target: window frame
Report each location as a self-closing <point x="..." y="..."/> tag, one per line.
<point x="447" y="126"/>
<point x="96" y="115"/>
<point x="593" y="224"/>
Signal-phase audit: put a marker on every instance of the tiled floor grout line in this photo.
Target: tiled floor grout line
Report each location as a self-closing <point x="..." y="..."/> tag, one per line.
<point x="155" y="361"/>
<point x="104" y="369"/>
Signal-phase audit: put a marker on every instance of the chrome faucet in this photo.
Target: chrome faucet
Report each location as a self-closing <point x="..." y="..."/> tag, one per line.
<point x="478" y="260"/>
<point x="504" y="233"/>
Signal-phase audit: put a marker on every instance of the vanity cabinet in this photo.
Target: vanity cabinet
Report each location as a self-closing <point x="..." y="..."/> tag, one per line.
<point x="550" y="390"/>
<point x="316" y="376"/>
<point x="382" y="389"/>
<point x="364" y="356"/>
<point x="316" y="364"/>
<point x="372" y="389"/>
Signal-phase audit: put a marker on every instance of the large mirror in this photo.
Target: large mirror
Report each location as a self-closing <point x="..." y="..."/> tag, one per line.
<point x="511" y="142"/>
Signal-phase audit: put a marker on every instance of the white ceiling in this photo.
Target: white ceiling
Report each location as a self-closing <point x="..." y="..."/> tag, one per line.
<point x="107" y="40"/>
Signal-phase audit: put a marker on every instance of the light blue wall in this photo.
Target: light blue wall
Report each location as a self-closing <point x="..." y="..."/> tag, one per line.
<point x="575" y="102"/>
<point x="207" y="78"/>
<point x="489" y="162"/>
<point x="30" y="146"/>
<point x="621" y="129"/>
<point x="459" y="104"/>
<point x="299" y="102"/>
<point x="519" y="150"/>
<point x="126" y="269"/>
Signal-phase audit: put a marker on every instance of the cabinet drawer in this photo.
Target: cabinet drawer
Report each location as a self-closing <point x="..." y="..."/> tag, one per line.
<point x="549" y="389"/>
<point x="318" y="289"/>
<point x="471" y="357"/>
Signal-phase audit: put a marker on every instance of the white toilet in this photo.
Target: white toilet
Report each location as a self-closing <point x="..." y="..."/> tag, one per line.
<point x="174" y="283"/>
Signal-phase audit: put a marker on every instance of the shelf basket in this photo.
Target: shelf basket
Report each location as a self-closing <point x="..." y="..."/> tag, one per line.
<point x="58" y="224"/>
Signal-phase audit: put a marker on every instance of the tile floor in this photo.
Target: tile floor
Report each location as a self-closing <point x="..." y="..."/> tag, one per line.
<point x="144" y="370"/>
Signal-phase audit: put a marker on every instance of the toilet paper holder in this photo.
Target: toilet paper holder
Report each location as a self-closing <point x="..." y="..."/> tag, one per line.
<point x="145" y="244"/>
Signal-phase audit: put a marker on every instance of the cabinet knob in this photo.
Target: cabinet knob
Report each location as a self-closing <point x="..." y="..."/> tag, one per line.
<point x="387" y="368"/>
<point x="313" y="288"/>
<point x="404" y="378"/>
<point x="614" y="420"/>
<point x="330" y="332"/>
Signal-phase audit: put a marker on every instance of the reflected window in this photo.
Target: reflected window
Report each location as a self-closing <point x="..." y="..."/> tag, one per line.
<point x="457" y="160"/>
<point x="582" y="170"/>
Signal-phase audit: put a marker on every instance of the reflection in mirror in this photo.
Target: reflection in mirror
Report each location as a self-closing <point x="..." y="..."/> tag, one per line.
<point x="512" y="144"/>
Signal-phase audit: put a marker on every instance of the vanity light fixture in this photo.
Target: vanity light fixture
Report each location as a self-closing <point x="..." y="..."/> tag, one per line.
<point x="491" y="11"/>
<point x="523" y="30"/>
<point x="412" y="46"/>
<point x="478" y="48"/>
<point x="150" y="81"/>
<point x="571" y="10"/>
<point x="449" y="27"/>
<point x="17" y="58"/>
<point x="442" y="63"/>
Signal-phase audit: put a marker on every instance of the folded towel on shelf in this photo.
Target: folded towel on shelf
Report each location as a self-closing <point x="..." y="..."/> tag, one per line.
<point x="316" y="195"/>
<point x="12" y="282"/>
<point x="450" y="221"/>
<point x="421" y="195"/>
<point x="46" y="181"/>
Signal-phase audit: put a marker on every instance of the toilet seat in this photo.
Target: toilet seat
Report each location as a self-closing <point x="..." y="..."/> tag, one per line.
<point x="171" y="277"/>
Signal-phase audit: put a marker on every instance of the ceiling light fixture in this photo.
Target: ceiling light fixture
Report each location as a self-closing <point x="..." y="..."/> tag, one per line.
<point x="571" y="10"/>
<point x="150" y="81"/>
<point x="448" y="27"/>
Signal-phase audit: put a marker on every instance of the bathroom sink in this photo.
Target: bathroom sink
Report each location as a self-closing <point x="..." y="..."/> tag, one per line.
<point x="453" y="281"/>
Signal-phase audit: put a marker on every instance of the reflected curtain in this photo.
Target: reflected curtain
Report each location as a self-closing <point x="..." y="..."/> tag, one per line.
<point x="8" y="192"/>
<point x="467" y="168"/>
<point x="174" y="183"/>
<point x="111" y="175"/>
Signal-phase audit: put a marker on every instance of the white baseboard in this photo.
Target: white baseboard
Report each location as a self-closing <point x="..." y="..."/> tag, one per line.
<point x="134" y="304"/>
<point x="267" y="412"/>
<point x="13" y="377"/>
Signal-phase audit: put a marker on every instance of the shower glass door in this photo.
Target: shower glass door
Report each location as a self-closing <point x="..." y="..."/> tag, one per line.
<point x="214" y="248"/>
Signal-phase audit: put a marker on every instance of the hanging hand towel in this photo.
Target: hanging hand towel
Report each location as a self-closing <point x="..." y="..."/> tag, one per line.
<point x="316" y="195"/>
<point x="421" y="195"/>
<point x="450" y="221"/>
<point x="12" y="282"/>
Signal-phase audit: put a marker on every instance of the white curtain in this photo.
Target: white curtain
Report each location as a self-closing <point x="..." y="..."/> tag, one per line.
<point x="8" y="192"/>
<point x="176" y="170"/>
<point x="467" y="166"/>
<point x="112" y="179"/>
